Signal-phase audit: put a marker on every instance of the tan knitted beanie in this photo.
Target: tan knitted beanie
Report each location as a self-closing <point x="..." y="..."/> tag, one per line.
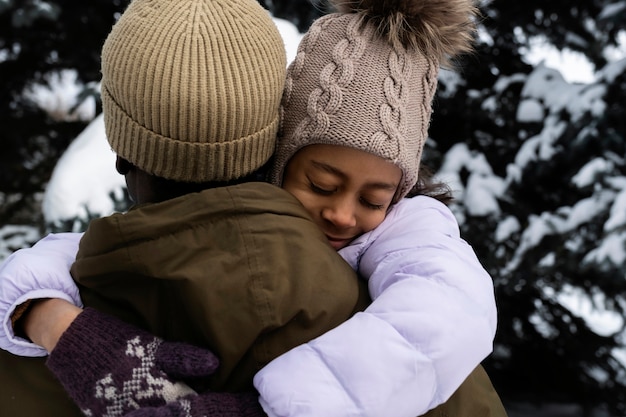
<point x="191" y="88"/>
<point x="365" y="78"/>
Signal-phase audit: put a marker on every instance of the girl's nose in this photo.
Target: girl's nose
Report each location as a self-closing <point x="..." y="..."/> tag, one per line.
<point x="341" y="214"/>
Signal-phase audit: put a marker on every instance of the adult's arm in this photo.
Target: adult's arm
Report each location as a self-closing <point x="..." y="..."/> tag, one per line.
<point x="432" y="321"/>
<point x="42" y="271"/>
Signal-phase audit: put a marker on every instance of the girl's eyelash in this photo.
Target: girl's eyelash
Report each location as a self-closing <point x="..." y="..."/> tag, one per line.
<point x="316" y="189"/>
<point x="372" y="206"/>
<point x="319" y="190"/>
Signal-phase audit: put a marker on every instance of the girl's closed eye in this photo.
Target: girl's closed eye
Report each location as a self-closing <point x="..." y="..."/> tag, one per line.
<point x="372" y="206"/>
<point x="321" y="189"/>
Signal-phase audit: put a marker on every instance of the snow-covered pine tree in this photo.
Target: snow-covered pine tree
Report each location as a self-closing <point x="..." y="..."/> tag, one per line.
<point x="539" y="167"/>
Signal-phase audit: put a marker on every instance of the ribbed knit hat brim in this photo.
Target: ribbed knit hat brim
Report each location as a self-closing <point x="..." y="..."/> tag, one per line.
<point x="186" y="161"/>
<point x="191" y="88"/>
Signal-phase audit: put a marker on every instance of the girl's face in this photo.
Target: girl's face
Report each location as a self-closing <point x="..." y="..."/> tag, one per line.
<point x="347" y="191"/>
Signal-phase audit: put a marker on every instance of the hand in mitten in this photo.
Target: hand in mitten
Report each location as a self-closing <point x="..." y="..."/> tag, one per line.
<point x="109" y="367"/>
<point x="214" y="404"/>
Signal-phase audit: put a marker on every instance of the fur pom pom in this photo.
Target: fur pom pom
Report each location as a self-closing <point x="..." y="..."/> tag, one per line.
<point x="439" y="28"/>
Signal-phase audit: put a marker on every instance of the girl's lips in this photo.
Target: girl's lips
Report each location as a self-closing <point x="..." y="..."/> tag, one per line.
<point x="338" y="243"/>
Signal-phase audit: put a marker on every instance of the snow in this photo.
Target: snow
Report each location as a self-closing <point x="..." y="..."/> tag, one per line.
<point x="611" y="249"/>
<point x="617" y="217"/>
<point x="574" y="65"/>
<point x="540" y="146"/>
<point x="601" y="320"/>
<point x="506" y="228"/>
<point x="611" y="10"/>
<point x="530" y="110"/>
<point x="548" y="86"/>
<point x="483" y="187"/>
<point x="588" y="173"/>
<point x="58" y="97"/>
<point x="92" y="173"/>
<point x="612" y="70"/>
<point x="290" y="35"/>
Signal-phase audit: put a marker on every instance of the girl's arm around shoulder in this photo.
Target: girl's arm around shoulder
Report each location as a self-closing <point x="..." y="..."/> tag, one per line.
<point x="431" y="323"/>
<point x="429" y="286"/>
<point x="42" y="271"/>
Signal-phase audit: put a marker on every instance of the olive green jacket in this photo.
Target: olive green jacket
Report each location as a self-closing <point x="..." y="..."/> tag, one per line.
<point x="240" y="270"/>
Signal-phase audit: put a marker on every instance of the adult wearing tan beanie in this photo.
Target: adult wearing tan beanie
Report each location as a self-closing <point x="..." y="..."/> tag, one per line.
<point x="191" y="92"/>
<point x="191" y="89"/>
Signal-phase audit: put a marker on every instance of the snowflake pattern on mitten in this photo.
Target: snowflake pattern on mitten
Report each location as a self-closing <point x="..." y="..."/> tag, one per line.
<point x="110" y="368"/>
<point x="145" y="385"/>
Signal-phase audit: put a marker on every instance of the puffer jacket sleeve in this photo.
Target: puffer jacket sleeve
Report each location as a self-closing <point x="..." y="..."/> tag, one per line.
<point x="432" y="321"/>
<point x="42" y="271"/>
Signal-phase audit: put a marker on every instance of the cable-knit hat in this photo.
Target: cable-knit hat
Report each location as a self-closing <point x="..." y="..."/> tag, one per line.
<point x="365" y="78"/>
<point x="191" y="89"/>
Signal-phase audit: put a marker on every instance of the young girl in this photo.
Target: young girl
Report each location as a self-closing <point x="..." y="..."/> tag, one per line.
<point x="356" y="108"/>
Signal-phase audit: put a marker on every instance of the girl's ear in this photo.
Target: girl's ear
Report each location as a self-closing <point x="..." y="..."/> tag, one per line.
<point x="122" y="165"/>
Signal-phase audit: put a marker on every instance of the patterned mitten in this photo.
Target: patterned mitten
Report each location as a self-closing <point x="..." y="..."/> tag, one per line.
<point x="110" y="368"/>
<point x="213" y="404"/>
